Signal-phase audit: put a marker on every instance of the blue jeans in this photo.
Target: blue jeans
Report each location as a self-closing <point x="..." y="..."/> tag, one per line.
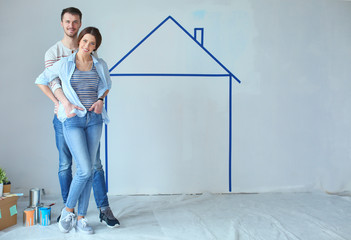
<point x="65" y="169"/>
<point x="82" y="135"/>
<point x="65" y="160"/>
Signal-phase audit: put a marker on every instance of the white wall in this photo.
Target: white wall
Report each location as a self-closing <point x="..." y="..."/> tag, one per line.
<point x="291" y="113"/>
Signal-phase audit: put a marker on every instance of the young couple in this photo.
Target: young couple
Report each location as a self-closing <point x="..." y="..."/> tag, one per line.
<point x="77" y="82"/>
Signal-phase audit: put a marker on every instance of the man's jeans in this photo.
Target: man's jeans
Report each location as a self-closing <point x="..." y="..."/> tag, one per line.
<point x="65" y="169"/>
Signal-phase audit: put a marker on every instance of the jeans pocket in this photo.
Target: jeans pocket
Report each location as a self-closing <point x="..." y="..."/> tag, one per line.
<point x="97" y="117"/>
<point x="72" y="117"/>
<point x="72" y="121"/>
<point x="96" y="113"/>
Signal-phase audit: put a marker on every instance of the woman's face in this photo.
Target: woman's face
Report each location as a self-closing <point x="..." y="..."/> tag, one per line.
<point x="87" y="44"/>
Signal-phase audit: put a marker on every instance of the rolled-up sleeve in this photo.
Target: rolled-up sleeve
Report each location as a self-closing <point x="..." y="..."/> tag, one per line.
<point x="49" y="74"/>
<point x="55" y="84"/>
<point x="105" y="83"/>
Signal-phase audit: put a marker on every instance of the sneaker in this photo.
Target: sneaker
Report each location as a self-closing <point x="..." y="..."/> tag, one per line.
<point x="58" y="218"/>
<point x="83" y="226"/>
<point x="107" y="216"/>
<point x="67" y="221"/>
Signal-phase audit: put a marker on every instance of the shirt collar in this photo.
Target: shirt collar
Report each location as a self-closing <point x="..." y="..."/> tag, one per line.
<point x="72" y="58"/>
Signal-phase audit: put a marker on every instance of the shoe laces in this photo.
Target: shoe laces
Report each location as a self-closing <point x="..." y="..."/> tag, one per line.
<point x="84" y="222"/>
<point x="69" y="217"/>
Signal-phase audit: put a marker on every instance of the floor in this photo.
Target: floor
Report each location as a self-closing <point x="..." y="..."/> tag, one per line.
<point x="268" y="216"/>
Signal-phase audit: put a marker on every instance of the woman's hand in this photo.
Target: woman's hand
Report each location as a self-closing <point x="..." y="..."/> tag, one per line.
<point x="69" y="107"/>
<point x="97" y="107"/>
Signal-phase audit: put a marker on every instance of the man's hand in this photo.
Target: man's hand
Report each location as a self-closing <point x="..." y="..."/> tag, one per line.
<point x="56" y="107"/>
<point x="97" y="107"/>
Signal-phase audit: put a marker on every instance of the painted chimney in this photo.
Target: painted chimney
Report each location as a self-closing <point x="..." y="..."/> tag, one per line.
<point x="199" y="35"/>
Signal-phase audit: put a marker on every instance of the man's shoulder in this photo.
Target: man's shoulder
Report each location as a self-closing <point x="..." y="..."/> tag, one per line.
<point x="55" y="53"/>
<point x="54" y="47"/>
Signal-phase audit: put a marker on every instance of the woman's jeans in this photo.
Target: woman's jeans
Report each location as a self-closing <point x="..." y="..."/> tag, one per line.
<point x="65" y="169"/>
<point x="82" y="135"/>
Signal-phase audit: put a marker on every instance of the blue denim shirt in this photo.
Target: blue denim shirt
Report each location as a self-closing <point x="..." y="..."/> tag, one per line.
<point x="64" y="70"/>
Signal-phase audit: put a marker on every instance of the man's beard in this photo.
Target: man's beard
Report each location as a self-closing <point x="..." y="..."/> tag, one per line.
<point x="74" y="35"/>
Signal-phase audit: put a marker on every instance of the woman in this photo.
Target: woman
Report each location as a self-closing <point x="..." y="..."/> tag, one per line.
<point x="85" y="82"/>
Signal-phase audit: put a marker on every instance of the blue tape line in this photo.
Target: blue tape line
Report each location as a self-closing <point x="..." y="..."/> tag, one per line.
<point x="106" y="151"/>
<point x="205" y="50"/>
<point x="168" y="75"/>
<point x="147" y="36"/>
<point x="201" y="30"/>
<point x="230" y="134"/>
<point x="186" y="32"/>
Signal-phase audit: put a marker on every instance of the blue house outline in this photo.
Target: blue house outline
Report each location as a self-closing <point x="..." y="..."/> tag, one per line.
<point x="229" y="74"/>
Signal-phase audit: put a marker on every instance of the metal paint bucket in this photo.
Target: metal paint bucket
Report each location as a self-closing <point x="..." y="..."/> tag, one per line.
<point x="45" y="216"/>
<point x="34" y="197"/>
<point x="37" y="212"/>
<point x="29" y="217"/>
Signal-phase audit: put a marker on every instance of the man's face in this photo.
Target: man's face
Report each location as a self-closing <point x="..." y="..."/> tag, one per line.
<point x="71" y="24"/>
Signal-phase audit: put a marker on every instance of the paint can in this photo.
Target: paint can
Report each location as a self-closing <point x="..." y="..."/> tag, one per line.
<point x="45" y="216"/>
<point x="29" y="217"/>
<point x="34" y="197"/>
<point x="37" y="212"/>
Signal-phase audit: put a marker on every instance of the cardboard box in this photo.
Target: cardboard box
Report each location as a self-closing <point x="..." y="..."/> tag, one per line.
<point x="8" y="212"/>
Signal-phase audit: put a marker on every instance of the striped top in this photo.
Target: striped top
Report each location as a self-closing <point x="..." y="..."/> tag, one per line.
<point x="85" y="84"/>
<point x="54" y="54"/>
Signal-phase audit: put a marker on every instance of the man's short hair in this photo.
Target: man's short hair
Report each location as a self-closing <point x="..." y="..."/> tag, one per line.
<point x="73" y="11"/>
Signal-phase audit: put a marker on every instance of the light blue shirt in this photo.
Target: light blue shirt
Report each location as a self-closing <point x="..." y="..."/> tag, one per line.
<point x="64" y="70"/>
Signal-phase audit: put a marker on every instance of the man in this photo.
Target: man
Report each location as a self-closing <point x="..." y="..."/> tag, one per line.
<point x="71" y="22"/>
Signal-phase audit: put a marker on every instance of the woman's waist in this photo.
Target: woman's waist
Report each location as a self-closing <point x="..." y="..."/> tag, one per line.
<point x="62" y="116"/>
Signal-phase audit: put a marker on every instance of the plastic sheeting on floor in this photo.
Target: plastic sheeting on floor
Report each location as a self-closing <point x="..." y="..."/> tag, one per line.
<point x="268" y="216"/>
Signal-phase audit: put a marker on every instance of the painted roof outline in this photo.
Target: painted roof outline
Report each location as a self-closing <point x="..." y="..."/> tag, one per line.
<point x="230" y="74"/>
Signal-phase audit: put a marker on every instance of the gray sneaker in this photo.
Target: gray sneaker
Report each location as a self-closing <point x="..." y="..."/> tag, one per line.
<point x="107" y="216"/>
<point x="67" y="221"/>
<point x="83" y="226"/>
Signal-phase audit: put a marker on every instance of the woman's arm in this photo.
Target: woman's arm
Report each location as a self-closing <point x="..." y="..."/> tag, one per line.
<point x="67" y="105"/>
<point x="45" y="78"/>
<point x="99" y="104"/>
<point x="47" y="91"/>
<point x="106" y="84"/>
